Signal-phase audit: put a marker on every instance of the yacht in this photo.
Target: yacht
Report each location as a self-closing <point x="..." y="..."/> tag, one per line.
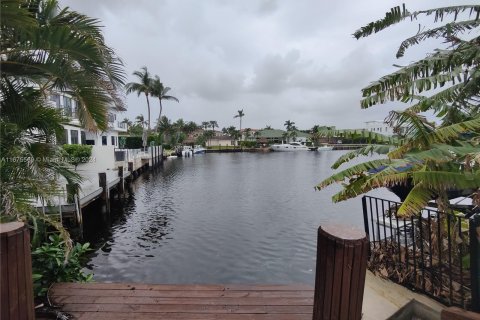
<point x="292" y="146"/>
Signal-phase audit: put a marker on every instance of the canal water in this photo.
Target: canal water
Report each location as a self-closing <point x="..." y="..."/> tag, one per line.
<point x="220" y="218"/>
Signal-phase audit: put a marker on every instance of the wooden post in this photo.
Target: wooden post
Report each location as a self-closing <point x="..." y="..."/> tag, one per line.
<point x="130" y="169"/>
<point x="16" y="295"/>
<point x="340" y="273"/>
<point x="121" y="187"/>
<point x="102" y="182"/>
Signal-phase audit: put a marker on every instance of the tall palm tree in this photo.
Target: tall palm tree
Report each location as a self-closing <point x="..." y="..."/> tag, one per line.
<point x="144" y="86"/>
<point x="160" y="92"/>
<point x="240" y="114"/>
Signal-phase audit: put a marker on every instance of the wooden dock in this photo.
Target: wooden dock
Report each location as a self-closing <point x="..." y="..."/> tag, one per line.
<point x="180" y="302"/>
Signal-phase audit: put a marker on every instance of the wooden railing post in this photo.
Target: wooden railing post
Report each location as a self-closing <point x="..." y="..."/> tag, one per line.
<point x="340" y="273"/>
<point x="16" y="295"/>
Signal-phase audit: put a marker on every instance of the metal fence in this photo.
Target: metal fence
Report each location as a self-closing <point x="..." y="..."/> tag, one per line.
<point x="431" y="252"/>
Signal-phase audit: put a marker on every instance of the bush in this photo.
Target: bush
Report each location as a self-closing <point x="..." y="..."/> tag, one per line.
<point x="77" y="153"/>
<point x="49" y="264"/>
<point x="248" y="144"/>
<point x="133" y="142"/>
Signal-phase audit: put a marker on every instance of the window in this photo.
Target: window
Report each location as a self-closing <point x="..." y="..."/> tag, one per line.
<point x="74" y="136"/>
<point x="63" y="138"/>
<point x="67" y="106"/>
<point x="111" y="117"/>
<point x="55" y="98"/>
<point x="104" y="140"/>
<point x="83" y="137"/>
<point x="113" y="140"/>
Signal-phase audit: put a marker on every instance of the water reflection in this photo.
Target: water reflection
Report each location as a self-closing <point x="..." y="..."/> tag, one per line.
<point x="220" y="218"/>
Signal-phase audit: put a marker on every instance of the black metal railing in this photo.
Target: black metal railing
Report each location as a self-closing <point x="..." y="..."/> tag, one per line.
<point x="431" y="251"/>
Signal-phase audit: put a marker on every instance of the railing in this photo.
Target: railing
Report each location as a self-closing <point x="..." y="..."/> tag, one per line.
<point x="431" y="251"/>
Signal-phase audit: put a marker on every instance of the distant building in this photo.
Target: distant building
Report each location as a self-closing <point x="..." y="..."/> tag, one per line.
<point x="269" y="136"/>
<point x="379" y="126"/>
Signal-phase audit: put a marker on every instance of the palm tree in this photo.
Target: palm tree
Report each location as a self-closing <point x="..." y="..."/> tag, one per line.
<point x="190" y="127"/>
<point x="240" y="114"/>
<point x="144" y="86"/>
<point x="127" y="121"/>
<point x="213" y="125"/>
<point x="205" y="125"/>
<point x="47" y="49"/>
<point x="248" y="133"/>
<point x="432" y="160"/>
<point x="268" y="127"/>
<point x="159" y="91"/>
<point x="289" y="125"/>
<point x="140" y="119"/>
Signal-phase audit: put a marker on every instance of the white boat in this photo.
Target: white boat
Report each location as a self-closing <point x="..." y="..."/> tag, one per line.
<point x="188" y="150"/>
<point x="292" y="146"/>
<point x="199" y="149"/>
<point x="324" y="148"/>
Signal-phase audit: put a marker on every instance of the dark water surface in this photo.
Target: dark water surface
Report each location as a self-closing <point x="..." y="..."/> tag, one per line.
<point x="220" y="218"/>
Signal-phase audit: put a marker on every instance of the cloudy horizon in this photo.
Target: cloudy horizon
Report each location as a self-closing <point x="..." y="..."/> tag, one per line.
<point x="276" y="60"/>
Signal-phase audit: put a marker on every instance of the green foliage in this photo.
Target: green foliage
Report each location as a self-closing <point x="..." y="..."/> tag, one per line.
<point x="156" y="139"/>
<point x="432" y="160"/>
<point x="51" y="264"/>
<point x="78" y="153"/>
<point x="248" y="144"/>
<point x="133" y="142"/>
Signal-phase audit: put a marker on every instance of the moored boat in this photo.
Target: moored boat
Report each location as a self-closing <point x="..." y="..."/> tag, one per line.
<point x="292" y="146"/>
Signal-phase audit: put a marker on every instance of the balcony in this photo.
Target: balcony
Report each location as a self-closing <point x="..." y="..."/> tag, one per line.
<point x="117" y="126"/>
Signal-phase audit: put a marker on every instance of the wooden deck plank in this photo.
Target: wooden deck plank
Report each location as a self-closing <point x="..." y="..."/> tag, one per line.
<point x="182" y="287"/>
<point x="179" y="302"/>
<point x="182" y="294"/>
<point x="185" y="316"/>
<point x="187" y="308"/>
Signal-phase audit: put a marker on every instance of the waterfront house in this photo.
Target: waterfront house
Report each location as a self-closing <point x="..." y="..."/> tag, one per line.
<point x="103" y="143"/>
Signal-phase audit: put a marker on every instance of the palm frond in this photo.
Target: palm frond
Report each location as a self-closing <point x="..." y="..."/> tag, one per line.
<point x="416" y="200"/>
<point x="397" y="14"/>
<point x="357" y="170"/>
<point x="446" y="31"/>
<point x="364" y="151"/>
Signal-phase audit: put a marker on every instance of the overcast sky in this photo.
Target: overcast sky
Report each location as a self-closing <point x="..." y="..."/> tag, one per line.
<point x="277" y="60"/>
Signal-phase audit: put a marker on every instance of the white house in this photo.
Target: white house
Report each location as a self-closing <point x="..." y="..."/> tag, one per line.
<point x="104" y="143"/>
<point x="379" y="126"/>
<point x="75" y="134"/>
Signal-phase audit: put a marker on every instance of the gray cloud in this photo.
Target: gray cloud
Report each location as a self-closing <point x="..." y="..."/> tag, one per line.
<point x="278" y="60"/>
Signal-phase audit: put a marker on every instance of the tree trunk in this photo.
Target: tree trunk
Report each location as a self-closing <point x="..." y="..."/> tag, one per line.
<point x="148" y="106"/>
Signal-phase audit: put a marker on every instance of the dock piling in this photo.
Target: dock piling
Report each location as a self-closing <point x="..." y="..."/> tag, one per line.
<point x="16" y="294"/>
<point x="121" y="186"/>
<point x="340" y="273"/>
<point x="102" y="182"/>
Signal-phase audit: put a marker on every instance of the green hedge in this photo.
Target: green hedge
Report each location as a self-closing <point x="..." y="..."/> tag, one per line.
<point x="133" y="142"/>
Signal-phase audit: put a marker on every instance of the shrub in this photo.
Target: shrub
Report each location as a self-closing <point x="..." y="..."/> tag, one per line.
<point x="49" y="264"/>
<point x="133" y="142"/>
<point x="77" y="153"/>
